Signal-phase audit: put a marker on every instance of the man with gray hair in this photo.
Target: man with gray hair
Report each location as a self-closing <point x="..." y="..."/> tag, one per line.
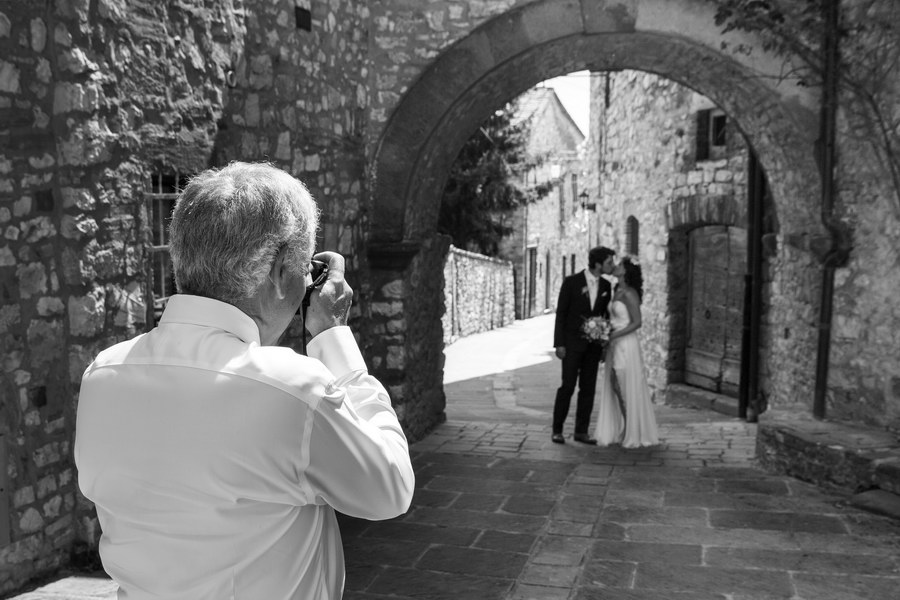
<point x="215" y="458"/>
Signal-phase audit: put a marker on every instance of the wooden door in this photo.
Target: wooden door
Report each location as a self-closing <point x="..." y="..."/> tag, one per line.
<point x="718" y="259"/>
<point x="531" y="270"/>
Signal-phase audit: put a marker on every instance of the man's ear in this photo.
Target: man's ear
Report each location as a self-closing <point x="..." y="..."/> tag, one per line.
<point x="278" y="274"/>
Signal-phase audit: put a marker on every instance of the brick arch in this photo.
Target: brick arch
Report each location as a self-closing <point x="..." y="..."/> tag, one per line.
<point x="494" y="63"/>
<point x="502" y="58"/>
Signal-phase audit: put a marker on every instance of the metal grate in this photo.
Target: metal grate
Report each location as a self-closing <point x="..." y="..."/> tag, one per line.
<point x="163" y="191"/>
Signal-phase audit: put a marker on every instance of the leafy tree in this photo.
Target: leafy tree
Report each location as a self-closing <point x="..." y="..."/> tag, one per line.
<point x="868" y="69"/>
<point x="483" y="188"/>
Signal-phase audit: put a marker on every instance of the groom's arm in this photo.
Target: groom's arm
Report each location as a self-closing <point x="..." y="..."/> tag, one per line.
<point x="562" y="312"/>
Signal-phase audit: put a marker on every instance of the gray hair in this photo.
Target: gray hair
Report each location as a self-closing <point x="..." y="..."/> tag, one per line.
<point x="229" y="224"/>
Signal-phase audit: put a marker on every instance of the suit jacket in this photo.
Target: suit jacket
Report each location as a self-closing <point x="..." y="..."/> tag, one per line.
<point x="574" y="306"/>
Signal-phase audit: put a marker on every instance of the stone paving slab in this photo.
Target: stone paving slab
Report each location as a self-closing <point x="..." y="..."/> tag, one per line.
<point x="626" y="525"/>
<point x="591" y="523"/>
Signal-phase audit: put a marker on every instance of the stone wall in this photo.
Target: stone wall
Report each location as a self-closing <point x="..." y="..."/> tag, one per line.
<point x="406" y="37"/>
<point x="95" y="99"/>
<point x="478" y="294"/>
<point x="864" y="366"/>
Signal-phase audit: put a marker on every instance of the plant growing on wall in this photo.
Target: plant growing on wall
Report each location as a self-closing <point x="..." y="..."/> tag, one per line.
<point x="482" y="189"/>
<point x="868" y="70"/>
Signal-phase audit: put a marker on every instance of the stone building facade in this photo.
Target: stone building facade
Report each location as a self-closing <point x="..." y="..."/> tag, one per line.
<point x="552" y="234"/>
<point x="651" y="175"/>
<point x="106" y="105"/>
<point x="673" y="171"/>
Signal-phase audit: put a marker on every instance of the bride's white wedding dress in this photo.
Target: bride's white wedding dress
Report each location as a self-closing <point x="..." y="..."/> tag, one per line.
<point x="637" y="427"/>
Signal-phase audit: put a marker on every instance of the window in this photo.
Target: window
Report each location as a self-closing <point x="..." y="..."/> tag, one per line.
<point x="572" y="263"/>
<point x="632" y="229"/>
<point x="563" y="266"/>
<point x="718" y="130"/>
<point x="574" y="193"/>
<point x="711" y="134"/>
<point x="164" y="190"/>
<point x="303" y="15"/>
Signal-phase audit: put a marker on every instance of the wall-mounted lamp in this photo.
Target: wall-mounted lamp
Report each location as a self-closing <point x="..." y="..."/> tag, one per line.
<point x="585" y="205"/>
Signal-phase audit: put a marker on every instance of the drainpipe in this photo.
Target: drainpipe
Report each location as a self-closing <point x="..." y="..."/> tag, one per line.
<point x="748" y="406"/>
<point x="835" y="254"/>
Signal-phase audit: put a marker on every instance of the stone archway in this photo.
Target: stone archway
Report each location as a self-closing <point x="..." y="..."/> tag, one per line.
<point x="676" y="39"/>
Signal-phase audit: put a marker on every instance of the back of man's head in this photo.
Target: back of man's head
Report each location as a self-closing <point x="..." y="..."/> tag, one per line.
<point x="229" y="223"/>
<point x="598" y="255"/>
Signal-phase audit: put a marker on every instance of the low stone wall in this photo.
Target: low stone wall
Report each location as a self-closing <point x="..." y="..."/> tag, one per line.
<point x="479" y="294"/>
<point x="829" y="453"/>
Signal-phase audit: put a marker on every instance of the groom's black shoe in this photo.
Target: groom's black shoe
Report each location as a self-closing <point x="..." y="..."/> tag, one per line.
<point x="584" y="439"/>
<point x="558" y="438"/>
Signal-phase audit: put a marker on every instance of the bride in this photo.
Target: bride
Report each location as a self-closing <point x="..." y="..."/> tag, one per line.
<point x="637" y="426"/>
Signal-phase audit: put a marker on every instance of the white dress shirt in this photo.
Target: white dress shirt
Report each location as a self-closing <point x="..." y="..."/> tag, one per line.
<point x="216" y="464"/>
<point x="592" y="284"/>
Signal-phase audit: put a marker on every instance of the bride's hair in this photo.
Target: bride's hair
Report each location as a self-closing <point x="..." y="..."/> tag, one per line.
<point x="633" y="276"/>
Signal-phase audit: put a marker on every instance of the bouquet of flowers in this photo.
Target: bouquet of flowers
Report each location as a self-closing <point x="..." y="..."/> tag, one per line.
<point x="596" y="329"/>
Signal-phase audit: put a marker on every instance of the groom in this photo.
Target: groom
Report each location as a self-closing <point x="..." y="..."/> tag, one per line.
<point x="582" y="295"/>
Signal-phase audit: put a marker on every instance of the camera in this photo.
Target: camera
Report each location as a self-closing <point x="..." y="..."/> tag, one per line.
<point x="318" y="272"/>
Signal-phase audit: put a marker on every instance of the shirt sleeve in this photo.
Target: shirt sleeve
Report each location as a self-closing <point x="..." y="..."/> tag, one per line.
<point x="358" y="455"/>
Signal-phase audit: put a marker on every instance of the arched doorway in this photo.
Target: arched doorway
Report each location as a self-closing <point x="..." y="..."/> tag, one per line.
<point x="505" y="56"/>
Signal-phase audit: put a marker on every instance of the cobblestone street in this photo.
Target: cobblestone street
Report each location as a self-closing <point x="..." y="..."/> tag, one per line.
<point x="502" y="513"/>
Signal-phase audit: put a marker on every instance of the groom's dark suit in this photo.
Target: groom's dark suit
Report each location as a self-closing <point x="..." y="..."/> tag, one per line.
<point x="582" y="359"/>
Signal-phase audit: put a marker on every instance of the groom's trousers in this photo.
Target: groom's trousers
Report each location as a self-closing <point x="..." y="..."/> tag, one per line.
<point x="579" y="367"/>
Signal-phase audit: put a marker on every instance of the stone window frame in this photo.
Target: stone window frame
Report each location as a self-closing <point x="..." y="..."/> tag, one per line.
<point x="162" y="190"/>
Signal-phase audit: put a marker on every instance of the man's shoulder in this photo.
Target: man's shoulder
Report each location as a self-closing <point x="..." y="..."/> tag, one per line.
<point x="116" y="353"/>
<point x="284" y="368"/>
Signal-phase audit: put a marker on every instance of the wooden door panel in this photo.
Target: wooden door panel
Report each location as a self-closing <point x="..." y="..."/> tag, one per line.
<point x="718" y="262"/>
<point x="704" y="364"/>
<point x="731" y="372"/>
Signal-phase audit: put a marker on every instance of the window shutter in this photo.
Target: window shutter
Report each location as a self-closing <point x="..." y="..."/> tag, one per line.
<point x="703" y="134"/>
<point x="632" y="228"/>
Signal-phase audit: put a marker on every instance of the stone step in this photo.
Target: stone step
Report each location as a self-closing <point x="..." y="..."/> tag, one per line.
<point x="861" y="461"/>
<point x="680" y="394"/>
<point x="878" y="501"/>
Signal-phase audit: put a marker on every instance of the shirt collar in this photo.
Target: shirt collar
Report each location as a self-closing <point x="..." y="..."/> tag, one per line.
<point x="591" y="278"/>
<point x="206" y="312"/>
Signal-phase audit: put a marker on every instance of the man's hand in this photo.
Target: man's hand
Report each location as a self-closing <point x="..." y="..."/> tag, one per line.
<point x="329" y="305"/>
<point x="560" y="352"/>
